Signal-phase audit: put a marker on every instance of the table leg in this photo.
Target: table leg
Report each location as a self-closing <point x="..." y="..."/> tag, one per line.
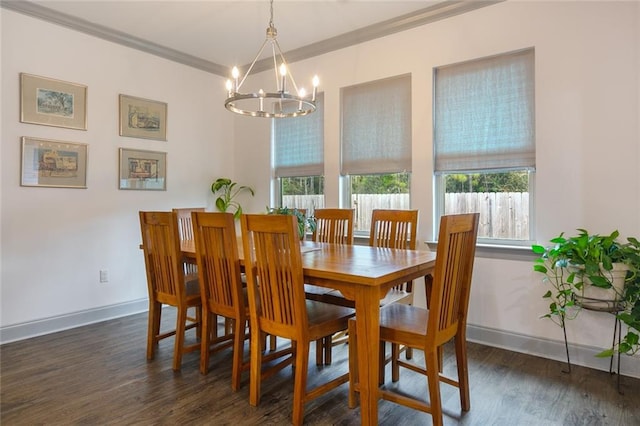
<point x="368" y="329"/>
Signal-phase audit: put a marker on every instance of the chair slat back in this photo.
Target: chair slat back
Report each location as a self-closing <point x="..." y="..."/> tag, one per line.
<point x="334" y="226"/>
<point x="184" y="221"/>
<point x="452" y="276"/>
<point x="162" y="255"/>
<point x="274" y="273"/>
<point x="394" y="229"/>
<point x="218" y="263"/>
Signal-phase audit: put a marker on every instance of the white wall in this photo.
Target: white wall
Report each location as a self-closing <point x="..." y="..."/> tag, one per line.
<point x="55" y="240"/>
<point x="587" y="141"/>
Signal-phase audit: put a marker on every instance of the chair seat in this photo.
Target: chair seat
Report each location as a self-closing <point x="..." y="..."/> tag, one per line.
<point x="403" y="320"/>
<point x="325" y="318"/>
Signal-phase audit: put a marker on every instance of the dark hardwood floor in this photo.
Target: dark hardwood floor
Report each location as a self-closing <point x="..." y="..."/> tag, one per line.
<point x="98" y="375"/>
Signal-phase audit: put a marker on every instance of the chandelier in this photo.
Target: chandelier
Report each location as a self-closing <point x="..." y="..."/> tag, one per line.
<point x="280" y="103"/>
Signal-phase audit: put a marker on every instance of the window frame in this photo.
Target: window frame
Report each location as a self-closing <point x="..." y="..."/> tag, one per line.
<point x="439" y="184"/>
<point x="345" y="179"/>
<point x="276" y="179"/>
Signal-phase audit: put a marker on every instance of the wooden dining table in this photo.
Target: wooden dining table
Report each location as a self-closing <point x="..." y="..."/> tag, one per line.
<point x="363" y="274"/>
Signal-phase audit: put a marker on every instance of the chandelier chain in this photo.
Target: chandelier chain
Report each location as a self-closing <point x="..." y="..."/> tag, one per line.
<point x="271" y="19"/>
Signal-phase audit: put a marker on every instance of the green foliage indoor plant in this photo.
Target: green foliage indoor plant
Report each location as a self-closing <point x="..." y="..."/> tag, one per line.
<point x="304" y="223"/>
<point x="571" y="263"/>
<point x="228" y="191"/>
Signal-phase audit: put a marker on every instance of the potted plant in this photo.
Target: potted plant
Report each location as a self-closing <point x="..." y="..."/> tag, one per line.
<point x="304" y="223"/>
<point x="228" y="191"/>
<point x="577" y="266"/>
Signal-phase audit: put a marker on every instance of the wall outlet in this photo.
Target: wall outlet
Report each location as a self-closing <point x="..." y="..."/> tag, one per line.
<point x="104" y="276"/>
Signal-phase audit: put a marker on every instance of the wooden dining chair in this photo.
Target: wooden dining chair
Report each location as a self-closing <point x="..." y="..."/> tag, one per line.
<point x="166" y="283"/>
<point x="391" y="229"/>
<point x="220" y="288"/>
<point x="395" y="229"/>
<point x="278" y="306"/>
<point x="428" y="330"/>
<point x="185" y="225"/>
<point x="222" y="291"/>
<point x="185" y="229"/>
<point x="334" y="226"/>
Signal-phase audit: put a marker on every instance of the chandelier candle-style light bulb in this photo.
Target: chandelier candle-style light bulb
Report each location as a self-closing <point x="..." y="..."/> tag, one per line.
<point x="302" y="94"/>
<point x="229" y="87"/>
<point x="283" y="74"/>
<point x="235" y="73"/>
<point x="272" y="103"/>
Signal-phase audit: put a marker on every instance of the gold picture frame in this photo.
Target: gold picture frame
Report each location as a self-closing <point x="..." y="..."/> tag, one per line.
<point x="143" y="118"/>
<point x="52" y="102"/>
<point x="143" y="170"/>
<point x="54" y="164"/>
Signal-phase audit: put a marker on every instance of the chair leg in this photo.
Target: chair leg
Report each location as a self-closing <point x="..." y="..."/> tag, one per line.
<point x="179" y="338"/>
<point x="320" y="351"/>
<point x="395" y="367"/>
<point x="273" y="342"/>
<point x="214" y="329"/>
<point x="257" y="339"/>
<point x="353" y="363"/>
<point x="238" y="353"/>
<point x="328" y="349"/>
<point x="155" y="313"/>
<point x="433" y="381"/>
<point x="463" y="372"/>
<point x="208" y="321"/>
<point x="198" y="323"/>
<point x="382" y="361"/>
<point x="300" y="383"/>
<point x="408" y="353"/>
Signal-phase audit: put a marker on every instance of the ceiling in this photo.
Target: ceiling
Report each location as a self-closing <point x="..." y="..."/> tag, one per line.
<point x="214" y="35"/>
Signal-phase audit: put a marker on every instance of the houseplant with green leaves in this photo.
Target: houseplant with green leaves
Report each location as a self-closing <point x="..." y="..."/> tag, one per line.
<point x="571" y="265"/>
<point x="304" y="223"/>
<point x="227" y="191"/>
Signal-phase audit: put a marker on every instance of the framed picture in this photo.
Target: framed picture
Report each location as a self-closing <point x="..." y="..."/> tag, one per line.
<point x="141" y="169"/>
<point x="142" y="118"/>
<point x="52" y="102"/>
<point x="53" y="163"/>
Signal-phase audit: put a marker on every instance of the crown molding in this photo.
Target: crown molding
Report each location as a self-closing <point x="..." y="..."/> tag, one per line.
<point x="40" y="12"/>
<point x="401" y="23"/>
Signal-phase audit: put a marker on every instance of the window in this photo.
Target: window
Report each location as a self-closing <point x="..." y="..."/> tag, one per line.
<point x="299" y="159"/>
<point x="376" y="146"/>
<point x="484" y="143"/>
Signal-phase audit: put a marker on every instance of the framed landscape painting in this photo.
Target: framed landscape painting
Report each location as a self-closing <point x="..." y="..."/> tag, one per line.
<point x="52" y="163"/>
<point x="52" y="102"/>
<point x="144" y="170"/>
<point x="143" y="118"/>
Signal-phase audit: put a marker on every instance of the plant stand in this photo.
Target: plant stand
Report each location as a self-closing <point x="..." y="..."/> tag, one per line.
<point x="599" y="305"/>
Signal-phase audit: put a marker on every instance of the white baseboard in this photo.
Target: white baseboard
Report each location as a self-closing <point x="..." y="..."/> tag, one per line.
<point x="552" y="349"/>
<point x="545" y="348"/>
<point x="50" y="325"/>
